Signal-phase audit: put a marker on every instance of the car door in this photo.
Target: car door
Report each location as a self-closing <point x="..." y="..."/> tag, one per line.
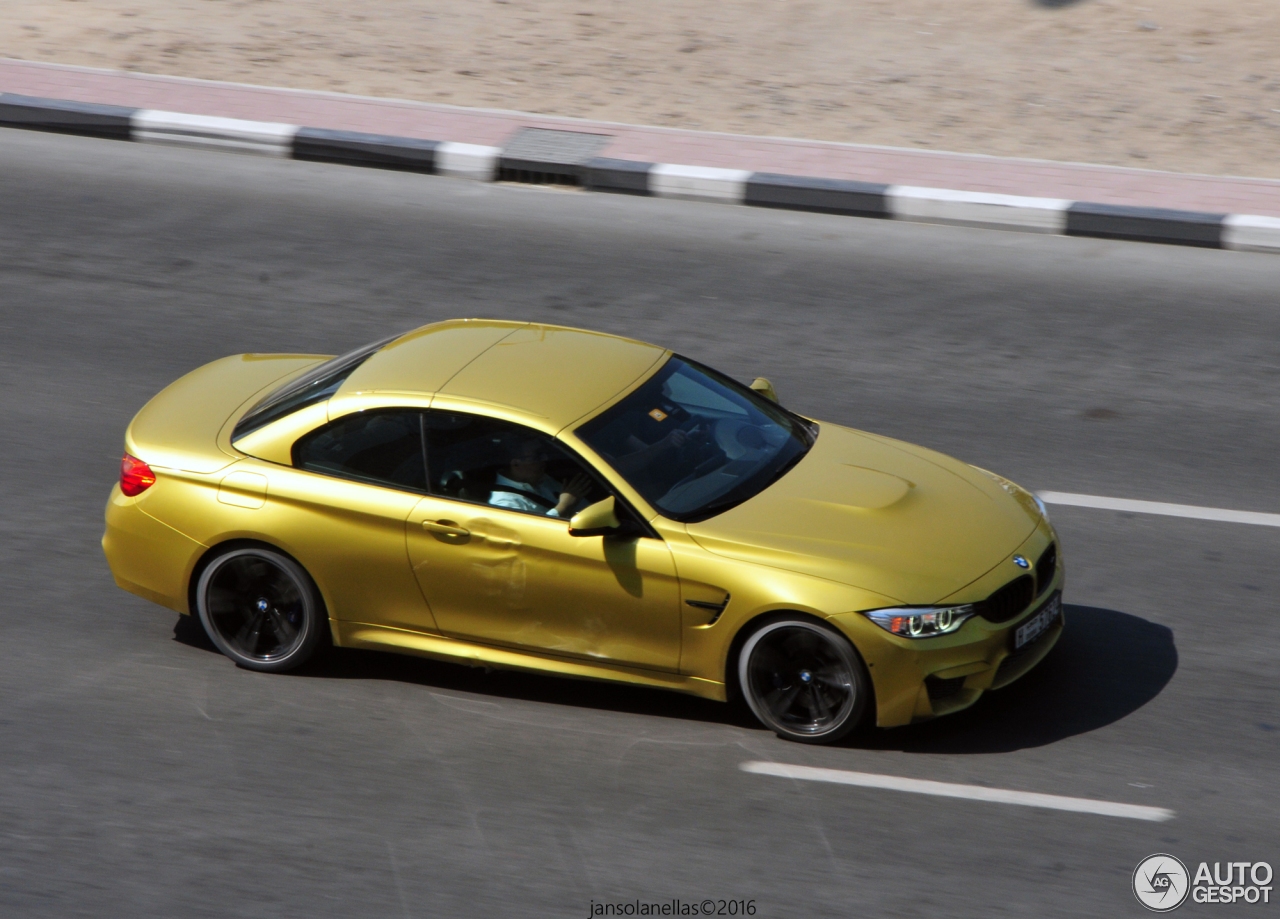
<point x="353" y="483"/>
<point x="495" y="560"/>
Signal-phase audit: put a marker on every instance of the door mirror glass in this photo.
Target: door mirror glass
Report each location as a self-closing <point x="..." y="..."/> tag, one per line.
<point x="598" y="519"/>
<point x="765" y="388"/>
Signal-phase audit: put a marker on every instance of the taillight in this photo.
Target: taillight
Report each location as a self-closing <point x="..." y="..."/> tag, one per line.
<point x="135" y="476"/>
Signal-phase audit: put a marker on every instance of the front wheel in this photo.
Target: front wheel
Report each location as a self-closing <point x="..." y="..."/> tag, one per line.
<point x="261" y="609"/>
<point x="803" y="680"/>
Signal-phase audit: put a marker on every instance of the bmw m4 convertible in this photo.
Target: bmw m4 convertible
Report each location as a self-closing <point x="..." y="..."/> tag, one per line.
<point x="549" y="499"/>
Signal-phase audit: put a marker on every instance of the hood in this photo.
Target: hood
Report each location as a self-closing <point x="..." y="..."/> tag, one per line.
<point x="878" y="514"/>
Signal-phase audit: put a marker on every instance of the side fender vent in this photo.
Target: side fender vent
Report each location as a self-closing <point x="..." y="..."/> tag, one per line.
<point x="717" y="609"/>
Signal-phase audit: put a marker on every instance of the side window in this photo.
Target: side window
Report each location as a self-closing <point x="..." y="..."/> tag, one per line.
<point x="493" y="462"/>
<point x="384" y="448"/>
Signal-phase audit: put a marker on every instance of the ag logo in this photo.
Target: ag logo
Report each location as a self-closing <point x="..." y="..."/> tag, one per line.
<point x="1161" y="883"/>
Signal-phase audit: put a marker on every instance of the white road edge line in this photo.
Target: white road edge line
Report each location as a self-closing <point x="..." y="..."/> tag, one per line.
<point x="969" y="792"/>
<point x="1159" y="507"/>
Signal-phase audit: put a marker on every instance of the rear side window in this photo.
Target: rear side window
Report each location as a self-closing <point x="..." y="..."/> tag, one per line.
<point x="314" y="386"/>
<point x="383" y="448"/>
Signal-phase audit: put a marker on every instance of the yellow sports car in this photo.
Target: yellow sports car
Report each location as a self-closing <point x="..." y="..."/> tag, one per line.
<point x="527" y="496"/>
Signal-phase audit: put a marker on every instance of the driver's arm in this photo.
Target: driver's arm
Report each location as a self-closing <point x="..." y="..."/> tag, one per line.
<point x="571" y="494"/>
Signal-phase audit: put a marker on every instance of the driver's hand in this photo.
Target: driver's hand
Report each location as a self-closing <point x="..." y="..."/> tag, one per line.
<point x="570" y="494"/>
<point x="578" y="486"/>
<point x="675" y="440"/>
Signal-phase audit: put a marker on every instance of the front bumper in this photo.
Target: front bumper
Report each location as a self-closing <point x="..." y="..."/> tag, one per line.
<point x="916" y="680"/>
<point x="955" y="688"/>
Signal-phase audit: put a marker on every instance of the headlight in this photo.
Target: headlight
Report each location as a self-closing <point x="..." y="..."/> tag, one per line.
<point x="919" y="621"/>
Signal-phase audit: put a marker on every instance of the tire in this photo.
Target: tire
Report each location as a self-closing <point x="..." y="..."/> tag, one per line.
<point x="803" y="680"/>
<point x="261" y="609"/>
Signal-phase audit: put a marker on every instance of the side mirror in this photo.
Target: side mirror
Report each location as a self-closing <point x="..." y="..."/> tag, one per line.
<point x="765" y="388"/>
<point x="599" y="519"/>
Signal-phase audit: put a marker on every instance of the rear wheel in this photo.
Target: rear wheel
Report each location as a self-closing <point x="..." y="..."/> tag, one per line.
<point x="261" y="609"/>
<point x="803" y="680"/>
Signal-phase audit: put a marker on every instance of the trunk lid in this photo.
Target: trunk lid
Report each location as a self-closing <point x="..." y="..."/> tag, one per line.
<point x="180" y="427"/>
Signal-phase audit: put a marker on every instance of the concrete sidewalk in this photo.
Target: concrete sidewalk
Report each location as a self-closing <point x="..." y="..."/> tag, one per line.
<point x="1213" y="196"/>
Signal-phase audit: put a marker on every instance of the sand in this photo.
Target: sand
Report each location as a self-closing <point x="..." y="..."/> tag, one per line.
<point x="1181" y="85"/>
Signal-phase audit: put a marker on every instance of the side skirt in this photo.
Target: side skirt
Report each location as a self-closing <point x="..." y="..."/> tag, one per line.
<point x="402" y="641"/>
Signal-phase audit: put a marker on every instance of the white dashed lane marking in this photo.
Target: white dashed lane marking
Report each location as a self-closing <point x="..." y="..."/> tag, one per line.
<point x="967" y="792"/>
<point x="1219" y="514"/>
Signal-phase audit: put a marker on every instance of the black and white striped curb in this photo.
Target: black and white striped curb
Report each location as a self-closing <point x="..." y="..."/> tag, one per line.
<point x="701" y="183"/>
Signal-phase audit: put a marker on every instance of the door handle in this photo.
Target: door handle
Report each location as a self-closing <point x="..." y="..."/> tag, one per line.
<point x="444" y="528"/>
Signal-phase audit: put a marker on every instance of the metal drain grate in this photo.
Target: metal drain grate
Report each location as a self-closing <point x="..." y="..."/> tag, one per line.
<point x="538" y="156"/>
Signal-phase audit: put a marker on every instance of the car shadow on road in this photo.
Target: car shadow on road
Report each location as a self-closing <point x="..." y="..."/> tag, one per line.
<point x="358" y="664"/>
<point x="1106" y="666"/>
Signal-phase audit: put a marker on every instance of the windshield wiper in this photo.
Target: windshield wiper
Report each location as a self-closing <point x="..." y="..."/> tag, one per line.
<point x="786" y="467"/>
<point x="809" y="427"/>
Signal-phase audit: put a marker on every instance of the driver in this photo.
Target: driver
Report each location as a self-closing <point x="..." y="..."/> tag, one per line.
<point x="525" y="486"/>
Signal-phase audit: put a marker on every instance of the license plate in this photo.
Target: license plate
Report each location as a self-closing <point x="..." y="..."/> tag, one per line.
<point x="1034" y="627"/>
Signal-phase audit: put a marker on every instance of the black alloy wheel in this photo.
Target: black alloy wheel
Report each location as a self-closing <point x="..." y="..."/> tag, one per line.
<point x="261" y="609"/>
<point x="803" y="680"/>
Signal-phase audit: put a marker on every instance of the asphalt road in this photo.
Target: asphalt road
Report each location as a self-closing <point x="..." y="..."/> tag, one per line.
<point x="144" y="775"/>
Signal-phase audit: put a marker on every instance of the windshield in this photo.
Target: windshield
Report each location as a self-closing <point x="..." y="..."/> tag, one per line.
<point x="695" y="443"/>
<point x="314" y="386"/>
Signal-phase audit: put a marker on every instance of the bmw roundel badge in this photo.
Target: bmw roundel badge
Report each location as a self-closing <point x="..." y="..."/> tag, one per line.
<point x="1021" y="562"/>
